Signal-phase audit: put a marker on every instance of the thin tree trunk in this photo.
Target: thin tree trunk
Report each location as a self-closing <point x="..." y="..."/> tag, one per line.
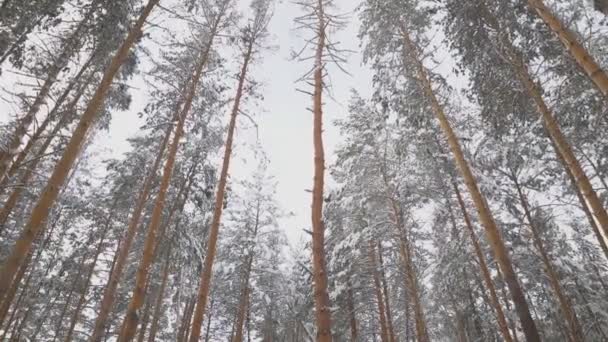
<point x="412" y="286"/>
<point x="130" y="321"/>
<point x="576" y="49"/>
<point x="483" y="265"/>
<point x="209" y="316"/>
<point x="384" y="336"/>
<point x="596" y="231"/>
<point x="244" y="301"/>
<point x="387" y="305"/>
<point x="564" y="150"/>
<point x="575" y="331"/>
<point x="25" y="179"/>
<point x="146" y="318"/>
<point x="48" y="196"/>
<point x="89" y="276"/>
<point x="205" y="282"/>
<point x="183" y="335"/>
<point x="492" y="232"/>
<point x="245" y="288"/>
<point x="123" y="252"/>
<point x="60" y="62"/>
<point x="159" y="300"/>
<point x="321" y="296"/>
<point x="48" y="119"/>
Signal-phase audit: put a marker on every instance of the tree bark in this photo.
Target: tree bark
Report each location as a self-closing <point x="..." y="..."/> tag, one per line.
<point x="48" y="196"/>
<point x="582" y="57"/>
<point x="492" y="232"/>
<point x="205" y="282"/>
<point x="321" y="296"/>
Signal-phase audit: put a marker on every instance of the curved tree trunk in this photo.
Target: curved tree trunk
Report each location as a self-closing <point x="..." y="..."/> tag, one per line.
<point x="576" y="49"/>
<point x="48" y="196"/>
<point x="492" y="232"/>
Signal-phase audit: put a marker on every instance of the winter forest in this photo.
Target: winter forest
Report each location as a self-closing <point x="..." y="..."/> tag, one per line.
<point x="451" y="157"/>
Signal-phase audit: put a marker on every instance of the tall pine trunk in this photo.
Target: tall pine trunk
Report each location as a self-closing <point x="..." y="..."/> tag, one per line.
<point x="129" y="325"/>
<point x="205" y="283"/>
<point x="576" y="49"/>
<point x="122" y="252"/>
<point x="492" y="232"/>
<point x="60" y="173"/>
<point x="320" y="282"/>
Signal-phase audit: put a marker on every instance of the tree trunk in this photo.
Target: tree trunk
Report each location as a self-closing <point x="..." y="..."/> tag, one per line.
<point x="89" y="276"/>
<point x="492" y="232"/>
<point x="159" y="300"/>
<point x="25" y="179"/>
<point x="412" y="287"/>
<point x="576" y="49"/>
<point x="245" y="288"/>
<point x="48" y="196"/>
<point x="205" y="282"/>
<point x="564" y="150"/>
<point x="185" y="323"/>
<point x="483" y="265"/>
<point x="596" y="231"/>
<point x="49" y="118"/>
<point x="575" y="331"/>
<point x="387" y="304"/>
<point x="244" y="301"/>
<point x="145" y="320"/>
<point x="123" y="252"/>
<point x="137" y="300"/>
<point x="321" y="296"/>
<point x="60" y="62"/>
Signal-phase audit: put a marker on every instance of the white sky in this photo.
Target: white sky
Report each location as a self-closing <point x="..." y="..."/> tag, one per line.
<point x="285" y="125"/>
